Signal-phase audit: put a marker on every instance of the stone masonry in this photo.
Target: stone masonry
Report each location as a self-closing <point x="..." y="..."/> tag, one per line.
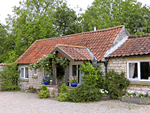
<point x="118" y="64"/>
<point x="33" y="80"/>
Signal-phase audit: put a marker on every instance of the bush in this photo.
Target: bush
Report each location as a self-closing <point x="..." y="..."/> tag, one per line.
<point x="9" y="77"/>
<point x="64" y="88"/>
<point x="44" y="92"/>
<point x="116" y="84"/>
<point x="84" y="93"/>
<point x="63" y="96"/>
<point x="43" y="88"/>
<point x="92" y="75"/>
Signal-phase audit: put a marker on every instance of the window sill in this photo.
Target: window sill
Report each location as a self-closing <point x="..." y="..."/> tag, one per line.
<point x="140" y="82"/>
<point x="24" y="79"/>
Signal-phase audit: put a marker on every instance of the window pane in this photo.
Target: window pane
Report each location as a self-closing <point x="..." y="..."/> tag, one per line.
<point x="22" y="72"/>
<point x="133" y="73"/>
<point x="35" y="71"/>
<point x="26" y="72"/>
<point x="79" y="73"/>
<point x="74" y="70"/>
<point x="145" y="70"/>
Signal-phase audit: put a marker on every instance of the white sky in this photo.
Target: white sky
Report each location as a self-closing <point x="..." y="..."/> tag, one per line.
<point x="6" y="6"/>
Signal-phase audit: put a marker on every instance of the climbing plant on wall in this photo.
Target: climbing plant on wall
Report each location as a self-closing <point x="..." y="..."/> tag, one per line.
<point x="47" y="61"/>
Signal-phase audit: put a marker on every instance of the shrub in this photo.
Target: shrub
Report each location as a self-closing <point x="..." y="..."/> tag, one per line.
<point x="116" y="84"/>
<point x="43" y="88"/>
<point x="9" y="77"/>
<point x="84" y="93"/>
<point x="64" y="88"/>
<point x="63" y="96"/>
<point x="92" y="75"/>
<point x="44" y="92"/>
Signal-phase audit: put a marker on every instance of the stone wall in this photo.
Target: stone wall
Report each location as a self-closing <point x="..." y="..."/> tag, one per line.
<point x="33" y="80"/>
<point x="137" y="88"/>
<point x="118" y="64"/>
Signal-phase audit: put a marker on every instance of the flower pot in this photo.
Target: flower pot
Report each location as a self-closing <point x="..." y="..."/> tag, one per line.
<point x="105" y="97"/>
<point x="74" y="84"/>
<point x="47" y="83"/>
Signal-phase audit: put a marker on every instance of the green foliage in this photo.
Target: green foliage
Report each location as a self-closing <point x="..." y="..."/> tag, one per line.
<point x="31" y="88"/>
<point x="9" y="77"/>
<point x="92" y="75"/>
<point x="110" y="13"/>
<point x="88" y="69"/>
<point x="66" y="20"/>
<point x="46" y="80"/>
<point x="47" y="61"/>
<point x="44" y="92"/>
<point x="63" y="96"/>
<point x="73" y="79"/>
<point x="43" y="88"/>
<point x="33" y="20"/>
<point x="84" y="93"/>
<point x="64" y="88"/>
<point x="116" y="84"/>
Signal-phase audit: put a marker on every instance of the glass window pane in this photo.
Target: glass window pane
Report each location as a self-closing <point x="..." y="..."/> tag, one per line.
<point x="145" y="70"/>
<point x="74" y="70"/>
<point x="26" y="72"/>
<point x="22" y="72"/>
<point x="35" y="71"/>
<point x="133" y="70"/>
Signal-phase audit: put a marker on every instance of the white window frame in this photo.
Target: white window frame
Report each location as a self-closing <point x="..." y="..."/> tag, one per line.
<point x="24" y="67"/>
<point x="34" y="71"/>
<point x="139" y="70"/>
<point x="70" y="70"/>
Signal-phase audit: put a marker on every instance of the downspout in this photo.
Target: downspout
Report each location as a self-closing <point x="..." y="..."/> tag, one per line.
<point x="105" y="64"/>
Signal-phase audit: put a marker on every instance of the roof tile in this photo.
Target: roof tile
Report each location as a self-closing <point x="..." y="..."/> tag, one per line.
<point x="97" y="41"/>
<point x="133" y="46"/>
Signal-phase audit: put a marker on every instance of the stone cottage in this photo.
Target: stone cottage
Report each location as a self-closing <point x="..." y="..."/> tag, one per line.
<point x="100" y="47"/>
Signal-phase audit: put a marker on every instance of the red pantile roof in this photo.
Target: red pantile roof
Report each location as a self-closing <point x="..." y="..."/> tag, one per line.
<point x="133" y="46"/>
<point x="75" y="52"/>
<point x="97" y="41"/>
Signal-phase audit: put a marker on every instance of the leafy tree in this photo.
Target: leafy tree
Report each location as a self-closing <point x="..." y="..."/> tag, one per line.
<point x="32" y="20"/>
<point x="66" y="20"/>
<point x="110" y="13"/>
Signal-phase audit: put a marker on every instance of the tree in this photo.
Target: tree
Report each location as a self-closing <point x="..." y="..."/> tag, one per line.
<point x="110" y="13"/>
<point x="66" y="20"/>
<point x="32" y="20"/>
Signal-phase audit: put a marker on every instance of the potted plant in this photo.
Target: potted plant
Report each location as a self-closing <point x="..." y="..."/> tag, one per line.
<point x="46" y="80"/>
<point x="31" y="89"/>
<point x="73" y="81"/>
<point x="104" y="95"/>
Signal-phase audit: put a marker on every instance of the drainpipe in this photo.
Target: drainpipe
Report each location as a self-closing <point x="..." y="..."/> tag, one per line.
<point x="105" y="64"/>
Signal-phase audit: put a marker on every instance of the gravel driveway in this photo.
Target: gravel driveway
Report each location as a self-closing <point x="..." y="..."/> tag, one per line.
<point x="21" y="102"/>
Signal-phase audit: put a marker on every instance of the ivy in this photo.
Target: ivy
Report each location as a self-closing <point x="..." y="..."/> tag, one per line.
<point x="47" y="61"/>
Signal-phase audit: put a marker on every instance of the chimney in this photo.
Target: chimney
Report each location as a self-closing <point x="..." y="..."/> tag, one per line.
<point x="94" y="28"/>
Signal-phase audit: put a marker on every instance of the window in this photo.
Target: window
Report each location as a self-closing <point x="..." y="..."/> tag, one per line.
<point x="35" y="71"/>
<point x="24" y="72"/>
<point x="76" y="72"/>
<point x="138" y="70"/>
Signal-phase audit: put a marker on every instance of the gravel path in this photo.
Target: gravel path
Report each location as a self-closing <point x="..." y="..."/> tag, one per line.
<point x="21" y="102"/>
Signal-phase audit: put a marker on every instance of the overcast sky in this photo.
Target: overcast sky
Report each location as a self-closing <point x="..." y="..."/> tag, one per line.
<point x="6" y="6"/>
